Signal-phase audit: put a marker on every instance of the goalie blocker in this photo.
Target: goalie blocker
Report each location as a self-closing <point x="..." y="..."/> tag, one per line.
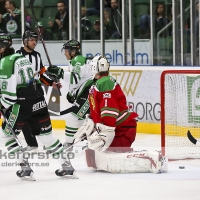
<point x="130" y="162"/>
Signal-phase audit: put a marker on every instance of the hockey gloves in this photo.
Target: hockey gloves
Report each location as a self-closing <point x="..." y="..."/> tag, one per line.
<point x="101" y="139"/>
<point x="55" y="71"/>
<point x="86" y="129"/>
<point x="70" y="98"/>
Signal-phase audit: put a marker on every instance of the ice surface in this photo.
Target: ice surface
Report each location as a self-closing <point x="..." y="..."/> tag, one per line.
<point x="177" y="184"/>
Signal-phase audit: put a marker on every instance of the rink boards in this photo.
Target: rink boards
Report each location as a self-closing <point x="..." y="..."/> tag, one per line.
<point x="141" y="86"/>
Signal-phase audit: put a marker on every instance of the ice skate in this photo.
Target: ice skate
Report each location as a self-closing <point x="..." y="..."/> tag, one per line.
<point x="26" y="173"/>
<point x="67" y="171"/>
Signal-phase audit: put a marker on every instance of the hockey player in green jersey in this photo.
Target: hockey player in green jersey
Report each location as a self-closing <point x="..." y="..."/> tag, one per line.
<point x="23" y="102"/>
<point x="79" y="78"/>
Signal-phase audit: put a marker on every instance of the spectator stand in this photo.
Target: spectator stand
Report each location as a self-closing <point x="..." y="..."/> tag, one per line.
<point x="141" y="8"/>
<point x="44" y="10"/>
<point x="48" y="12"/>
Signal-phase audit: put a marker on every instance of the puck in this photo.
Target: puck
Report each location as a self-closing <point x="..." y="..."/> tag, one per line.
<point x="181" y="167"/>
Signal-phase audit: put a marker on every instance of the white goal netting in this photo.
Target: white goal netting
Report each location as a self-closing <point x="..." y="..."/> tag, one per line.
<point x="180" y="112"/>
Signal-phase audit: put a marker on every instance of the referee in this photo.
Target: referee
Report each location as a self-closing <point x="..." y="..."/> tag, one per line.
<point x="30" y="39"/>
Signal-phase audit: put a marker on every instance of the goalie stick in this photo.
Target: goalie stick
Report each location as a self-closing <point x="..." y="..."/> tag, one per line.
<point x="10" y="128"/>
<point x="31" y="3"/>
<point x="192" y="139"/>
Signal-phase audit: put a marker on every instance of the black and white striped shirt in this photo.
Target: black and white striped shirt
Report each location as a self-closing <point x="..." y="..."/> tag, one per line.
<point x="35" y="58"/>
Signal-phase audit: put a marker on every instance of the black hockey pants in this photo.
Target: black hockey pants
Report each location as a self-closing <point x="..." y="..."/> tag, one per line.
<point x="33" y="114"/>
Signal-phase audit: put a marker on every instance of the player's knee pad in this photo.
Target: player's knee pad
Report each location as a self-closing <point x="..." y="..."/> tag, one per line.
<point x="72" y="125"/>
<point x="52" y="145"/>
<point x="73" y="121"/>
<point x="10" y="142"/>
<point x="47" y="140"/>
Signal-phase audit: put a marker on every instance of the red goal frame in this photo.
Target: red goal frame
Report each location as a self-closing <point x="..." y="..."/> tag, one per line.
<point x="162" y="100"/>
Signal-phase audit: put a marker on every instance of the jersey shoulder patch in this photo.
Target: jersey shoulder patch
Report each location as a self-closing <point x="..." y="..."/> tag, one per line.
<point x="15" y="56"/>
<point x="78" y="61"/>
<point x="106" y="83"/>
<point x="17" y="11"/>
<point x="4" y="15"/>
<point x="7" y="65"/>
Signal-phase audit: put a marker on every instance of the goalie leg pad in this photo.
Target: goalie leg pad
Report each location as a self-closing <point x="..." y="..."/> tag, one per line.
<point x="134" y="162"/>
<point x="159" y="164"/>
<point x="72" y="125"/>
<point x="10" y="142"/>
<point x="53" y="147"/>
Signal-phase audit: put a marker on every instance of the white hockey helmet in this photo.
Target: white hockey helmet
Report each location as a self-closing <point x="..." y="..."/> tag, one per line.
<point x="99" y="64"/>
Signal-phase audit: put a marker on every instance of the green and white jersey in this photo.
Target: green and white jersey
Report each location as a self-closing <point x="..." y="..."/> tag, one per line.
<point x="15" y="72"/>
<point x="79" y="75"/>
<point x="12" y="24"/>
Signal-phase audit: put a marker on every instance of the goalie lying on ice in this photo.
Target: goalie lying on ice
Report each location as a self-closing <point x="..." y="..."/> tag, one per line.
<point x="111" y="129"/>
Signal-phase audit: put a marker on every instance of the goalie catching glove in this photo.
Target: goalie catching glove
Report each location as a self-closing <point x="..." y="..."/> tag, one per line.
<point x="86" y="129"/>
<point x="101" y="139"/>
<point x="55" y="71"/>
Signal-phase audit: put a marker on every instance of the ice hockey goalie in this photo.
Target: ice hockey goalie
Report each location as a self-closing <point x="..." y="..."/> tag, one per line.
<point x="111" y="129"/>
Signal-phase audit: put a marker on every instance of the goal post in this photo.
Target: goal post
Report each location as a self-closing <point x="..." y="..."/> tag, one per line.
<point x="180" y="112"/>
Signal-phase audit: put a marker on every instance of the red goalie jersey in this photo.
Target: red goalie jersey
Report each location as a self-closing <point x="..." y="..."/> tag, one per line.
<point x="108" y="106"/>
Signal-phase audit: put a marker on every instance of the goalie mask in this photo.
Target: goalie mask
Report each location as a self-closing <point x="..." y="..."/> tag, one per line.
<point x="99" y="64"/>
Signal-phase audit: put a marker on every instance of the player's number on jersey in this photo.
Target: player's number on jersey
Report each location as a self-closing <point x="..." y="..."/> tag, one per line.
<point x="26" y="74"/>
<point x="4" y="85"/>
<point x="106" y="102"/>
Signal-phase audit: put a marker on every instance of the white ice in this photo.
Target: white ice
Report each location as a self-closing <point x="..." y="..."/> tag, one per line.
<point x="177" y="184"/>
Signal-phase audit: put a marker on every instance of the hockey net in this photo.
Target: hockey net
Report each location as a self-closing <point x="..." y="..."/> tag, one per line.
<point x="180" y="112"/>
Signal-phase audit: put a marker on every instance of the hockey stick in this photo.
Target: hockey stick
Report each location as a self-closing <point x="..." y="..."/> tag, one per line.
<point x="31" y="3"/>
<point x="192" y="139"/>
<point x="68" y="110"/>
<point x="54" y="112"/>
<point x="10" y="128"/>
<point x="75" y="142"/>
